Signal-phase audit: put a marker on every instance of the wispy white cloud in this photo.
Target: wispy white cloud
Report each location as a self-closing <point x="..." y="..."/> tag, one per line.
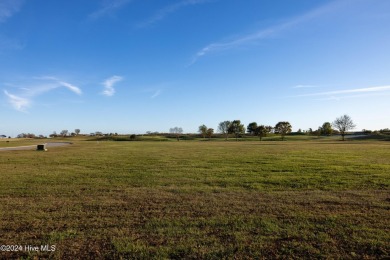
<point x="305" y="86"/>
<point x="265" y="33"/>
<point x="71" y="87"/>
<point x="347" y="91"/>
<point x="18" y="103"/>
<point x="109" y="83"/>
<point x="58" y="83"/>
<point x="8" y="8"/>
<point x="156" y="93"/>
<point x="7" y="43"/>
<point x="162" y="13"/>
<point x="108" y="8"/>
<point x="26" y="95"/>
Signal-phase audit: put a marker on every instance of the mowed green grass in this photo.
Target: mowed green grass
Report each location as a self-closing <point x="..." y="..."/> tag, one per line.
<point x="194" y="199"/>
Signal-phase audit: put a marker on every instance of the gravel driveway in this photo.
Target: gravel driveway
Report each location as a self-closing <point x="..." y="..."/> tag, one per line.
<point x="34" y="147"/>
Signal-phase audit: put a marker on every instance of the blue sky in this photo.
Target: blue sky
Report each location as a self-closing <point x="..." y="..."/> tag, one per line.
<point x="131" y="66"/>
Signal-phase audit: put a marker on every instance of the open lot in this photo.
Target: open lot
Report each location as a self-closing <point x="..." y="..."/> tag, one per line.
<point x="198" y="199"/>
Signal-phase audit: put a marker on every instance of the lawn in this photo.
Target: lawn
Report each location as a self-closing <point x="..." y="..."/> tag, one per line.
<point x="198" y="199"/>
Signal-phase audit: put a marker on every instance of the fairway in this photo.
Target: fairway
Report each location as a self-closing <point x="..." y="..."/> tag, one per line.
<point x="198" y="199"/>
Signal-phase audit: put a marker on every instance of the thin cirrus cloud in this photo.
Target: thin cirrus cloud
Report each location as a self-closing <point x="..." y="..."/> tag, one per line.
<point x="335" y="94"/>
<point x="59" y="83"/>
<point x="269" y="32"/>
<point x="156" y="93"/>
<point x="109" y="83"/>
<point x="305" y="86"/>
<point x="7" y="43"/>
<point x="18" y="103"/>
<point x="164" y="12"/>
<point x="8" y="8"/>
<point x="108" y="8"/>
<point x="25" y="97"/>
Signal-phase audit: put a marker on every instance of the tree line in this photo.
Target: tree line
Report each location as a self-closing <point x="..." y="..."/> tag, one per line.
<point x="237" y="129"/>
<point x="340" y="125"/>
<point x="343" y="124"/>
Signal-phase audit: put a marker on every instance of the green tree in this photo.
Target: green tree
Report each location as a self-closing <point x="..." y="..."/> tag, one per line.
<point x="77" y="131"/>
<point x="236" y="128"/>
<point x="343" y="124"/>
<point x="251" y="128"/>
<point x="223" y="128"/>
<point x="262" y="131"/>
<point x="326" y="129"/>
<point x="318" y="132"/>
<point x="283" y="128"/>
<point x="210" y="132"/>
<point x="203" y="130"/>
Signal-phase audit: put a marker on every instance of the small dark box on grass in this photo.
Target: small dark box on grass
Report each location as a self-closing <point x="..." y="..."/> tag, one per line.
<point x="41" y="147"/>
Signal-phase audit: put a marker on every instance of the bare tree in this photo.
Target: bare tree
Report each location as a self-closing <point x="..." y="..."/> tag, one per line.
<point x="223" y="128"/>
<point x="177" y="131"/>
<point x="343" y="124"/>
<point x="64" y="133"/>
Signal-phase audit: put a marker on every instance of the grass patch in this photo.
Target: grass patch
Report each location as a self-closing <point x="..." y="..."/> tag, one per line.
<point x="207" y="200"/>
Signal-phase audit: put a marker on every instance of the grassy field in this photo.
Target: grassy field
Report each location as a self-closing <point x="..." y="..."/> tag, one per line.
<point x="199" y="200"/>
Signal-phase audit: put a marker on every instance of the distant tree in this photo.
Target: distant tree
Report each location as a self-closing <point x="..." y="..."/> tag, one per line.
<point x="343" y="124"/>
<point x="310" y="131"/>
<point x="24" y="135"/>
<point x="283" y="128"/>
<point x="203" y="130"/>
<point x="223" y="128"/>
<point x="54" y="134"/>
<point x="251" y="128"/>
<point x="64" y="133"/>
<point x="236" y="128"/>
<point x="262" y="131"/>
<point x="210" y="132"/>
<point x="317" y="132"/>
<point x="77" y="131"/>
<point x="132" y="137"/>
<point x="366" y="131"/>
<point x="98" y="133"/>
<point x="326" y="129"/>
<point x="177" y="131"/>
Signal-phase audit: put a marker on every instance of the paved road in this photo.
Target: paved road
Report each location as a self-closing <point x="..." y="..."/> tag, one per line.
<point x="34" y="147"/>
